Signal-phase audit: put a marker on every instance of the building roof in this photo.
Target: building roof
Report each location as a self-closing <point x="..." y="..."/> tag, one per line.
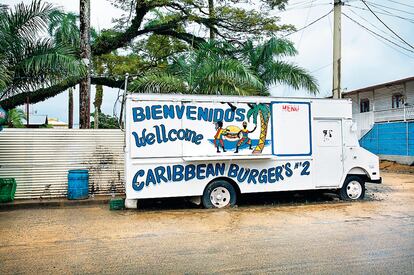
<point x="379" y="86"/>
<point x="56" y="122"/>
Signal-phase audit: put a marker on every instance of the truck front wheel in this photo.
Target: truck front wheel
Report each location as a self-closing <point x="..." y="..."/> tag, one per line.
<point x="353" y="189"/>
<point x="219" y="194"/>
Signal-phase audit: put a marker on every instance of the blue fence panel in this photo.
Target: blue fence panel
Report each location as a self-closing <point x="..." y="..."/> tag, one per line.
<point x="390" y="138"/>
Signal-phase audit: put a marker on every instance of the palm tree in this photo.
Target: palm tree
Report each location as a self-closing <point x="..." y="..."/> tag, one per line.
<point x="66" y="32"/>
<point x="263" y="111"/>
<point x="30" y="61"/>
<point x="15" y="118"/>
<point x="208" y="70"/>
<point x="265" y="60"/>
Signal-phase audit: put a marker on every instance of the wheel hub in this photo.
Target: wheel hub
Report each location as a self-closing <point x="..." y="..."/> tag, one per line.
<point x="220" y="197"/>
<point x="354" y="190"/>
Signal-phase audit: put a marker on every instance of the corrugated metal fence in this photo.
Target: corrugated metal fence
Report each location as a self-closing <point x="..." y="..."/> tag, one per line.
<point x="390" y="138"/>
<point x="39" y="160"/>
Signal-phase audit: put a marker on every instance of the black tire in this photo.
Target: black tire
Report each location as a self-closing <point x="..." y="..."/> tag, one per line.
<point x="350" y="182"/>
<point x="218" y="185"/>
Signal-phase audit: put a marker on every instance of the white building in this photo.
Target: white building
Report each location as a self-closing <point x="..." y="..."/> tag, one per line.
<point x="384" y="114"/>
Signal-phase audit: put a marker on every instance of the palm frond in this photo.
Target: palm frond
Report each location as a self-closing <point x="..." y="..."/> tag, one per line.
<point x="28" y="20"/>
<point x="228" y="74"/>
<point x="158" y="83"/>
<point x="44" y="57"/>
<point x="279" y="72"/>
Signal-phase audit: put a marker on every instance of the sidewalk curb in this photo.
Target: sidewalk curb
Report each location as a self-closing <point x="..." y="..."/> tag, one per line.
<point x="53" y="203"/>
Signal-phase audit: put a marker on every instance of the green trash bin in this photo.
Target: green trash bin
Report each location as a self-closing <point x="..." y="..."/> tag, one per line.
<point x="7" y="189"/>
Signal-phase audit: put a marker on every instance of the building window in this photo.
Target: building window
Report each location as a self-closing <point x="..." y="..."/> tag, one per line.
<point x="364" y="105"/>
<point x="397" y="100"/>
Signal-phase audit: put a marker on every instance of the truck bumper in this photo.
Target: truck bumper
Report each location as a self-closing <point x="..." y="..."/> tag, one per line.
<point x="378" y="181"/>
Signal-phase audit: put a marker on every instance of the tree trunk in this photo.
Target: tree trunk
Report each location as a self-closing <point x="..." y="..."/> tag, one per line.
<point x="212" y="14"/>
<point x="85" y="48"/>
<point x="98" y="104"/>
<point x="70" y="109"/>
<point x="263" y="133"/>
<point x="98" y="92"/>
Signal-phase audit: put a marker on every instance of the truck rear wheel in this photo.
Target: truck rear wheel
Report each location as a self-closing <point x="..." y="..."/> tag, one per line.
<point x="353" y="189"/>
<point x="219" y="194"/>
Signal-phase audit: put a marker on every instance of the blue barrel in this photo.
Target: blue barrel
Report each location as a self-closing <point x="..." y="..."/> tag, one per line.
<point x="78" y="183"/>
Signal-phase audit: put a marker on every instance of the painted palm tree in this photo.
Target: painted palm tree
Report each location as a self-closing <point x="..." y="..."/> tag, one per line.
<point x="262" y="111"/>
<point x="29" y="60"/>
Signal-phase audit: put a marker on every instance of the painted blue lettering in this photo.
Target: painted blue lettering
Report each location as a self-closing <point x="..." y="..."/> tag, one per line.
<point x="179" y="109"/>
<point x="242" y="175"/>
<point x="190" y="172"/>
<point x="220" y="167"/>
<point x="138" y="114"/>
<point x="159" y="174"/>
<point x="147" y="113"/>
<point x="240" y="114"/>
<point x="305" y="169"/>
<point x="150" y="178"/>
<point x="271" y="175"/>
<point x="252" y="177"/>
<point x="210" y="170"/>
<point x="218" y="114"/>
<point x="197" y="139"/>
<point x="263" y="176"/>
<point x="202" y="114"/>
<point x="135" y="185"/>
<point x="201" y="170"/>
<point x="178" y="173"/>
<point x="150" y="139"/>
<point x="233" y="170"/>
<point x="156" y="112"/>
<point x="191" y="112"/>
<point x="139" y="141"/>
<point x="170" y="137"/>
<point x="279" y="171"/>
<point x="288" y="170"/>
<point x="229" y="115"/>
<point x="168" y="111"/>
<point x="169" y="174"/>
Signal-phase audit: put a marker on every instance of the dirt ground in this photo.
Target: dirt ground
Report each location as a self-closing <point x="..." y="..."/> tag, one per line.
<point x="391" y="166"/>
<point x="306" y="232"/>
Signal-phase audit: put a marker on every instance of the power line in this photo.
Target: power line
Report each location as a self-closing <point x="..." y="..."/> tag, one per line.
<point x="380" y="36"/>
<point x="401" y="3"/>
<point x="306" y="22"/>
<point x="384" y="32"/>
<point x="387" y="13"/>
<point x="402" y="39"/>
<point x="310" y="24"/>
<point x="379" y="5"/>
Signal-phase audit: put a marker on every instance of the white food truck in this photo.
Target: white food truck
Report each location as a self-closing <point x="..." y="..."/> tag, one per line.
<point x="215" y="148"/>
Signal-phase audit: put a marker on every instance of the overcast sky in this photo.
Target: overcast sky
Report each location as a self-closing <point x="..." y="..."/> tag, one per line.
<point x="366" y="60"/>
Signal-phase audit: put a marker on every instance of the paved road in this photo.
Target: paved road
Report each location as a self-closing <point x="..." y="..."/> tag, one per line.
<point x="373" y="236"/>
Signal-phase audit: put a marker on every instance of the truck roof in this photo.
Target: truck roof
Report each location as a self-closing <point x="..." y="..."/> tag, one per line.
<point x="225" y="98"/>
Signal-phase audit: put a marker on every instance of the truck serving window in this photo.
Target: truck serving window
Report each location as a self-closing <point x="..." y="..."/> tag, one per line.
<point x="291" y="129"/>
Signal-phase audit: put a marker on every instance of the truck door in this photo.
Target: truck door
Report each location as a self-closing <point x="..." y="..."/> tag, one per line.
<point x="328" y="155"/>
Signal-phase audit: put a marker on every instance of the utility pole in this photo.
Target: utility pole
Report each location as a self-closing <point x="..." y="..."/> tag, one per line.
<point x="85" y="53"/>
<point x="336" y="88"/>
